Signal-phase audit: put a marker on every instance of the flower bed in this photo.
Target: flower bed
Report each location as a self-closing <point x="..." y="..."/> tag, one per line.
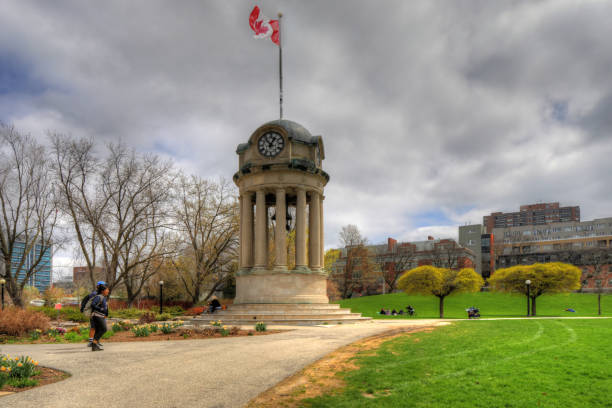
<point x="126" y="330"/>
<point x="22" y="373"/>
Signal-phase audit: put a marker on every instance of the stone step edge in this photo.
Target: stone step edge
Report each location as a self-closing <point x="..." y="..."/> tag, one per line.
<point x="280" y="312"/>
<point x="298" y="321"/>
<point x="292" y="316"/>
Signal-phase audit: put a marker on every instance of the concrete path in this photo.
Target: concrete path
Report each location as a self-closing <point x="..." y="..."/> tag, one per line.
<point x="190" y="373"/>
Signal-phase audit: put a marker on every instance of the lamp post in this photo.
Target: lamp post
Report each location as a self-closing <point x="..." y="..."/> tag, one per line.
<point x="528" y="283"/>
<point x="161" y="296"/>
<point x="2" y="282"/>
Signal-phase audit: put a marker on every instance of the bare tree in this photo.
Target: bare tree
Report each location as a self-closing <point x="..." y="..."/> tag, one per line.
<point x="351" y="236"/>
<point x="445" y="255"/>
<point x="597" y="259"/>
<point x="355" y="265"/>
<point x="28" y="206"/>
<point x="117" y="205"/>
<point x="207" y="220"/>
<point x="392" y="262"/>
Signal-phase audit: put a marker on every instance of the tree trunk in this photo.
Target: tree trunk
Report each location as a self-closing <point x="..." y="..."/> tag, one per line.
<point x="15" y="294"/>
<point x="441" y="306"/>
<point x="533" y="306"/>
<point x="196" y="294"/>
<point x="599" y="303"/>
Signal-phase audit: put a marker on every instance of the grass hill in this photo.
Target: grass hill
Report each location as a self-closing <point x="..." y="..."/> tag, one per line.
<point x="490" y="305"/>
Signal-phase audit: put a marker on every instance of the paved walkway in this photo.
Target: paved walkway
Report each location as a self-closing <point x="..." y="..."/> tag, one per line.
<point x="190" y="373"/>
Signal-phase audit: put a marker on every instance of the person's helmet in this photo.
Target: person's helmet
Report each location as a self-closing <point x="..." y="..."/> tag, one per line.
<point x="100" y="283"/>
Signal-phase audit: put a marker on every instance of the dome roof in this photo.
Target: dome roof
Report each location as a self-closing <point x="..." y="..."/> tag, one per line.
<point x="294" y="130"/>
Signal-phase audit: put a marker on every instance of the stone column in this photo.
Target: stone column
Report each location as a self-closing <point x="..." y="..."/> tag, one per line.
<point x="322" y="232"/>
<point x="261" y="230"/>
<point x="280" y="238"/>
<point x="300" y="230"/>
<point x="241" y="235"/>
<point x="314" y="227"/>
<point x="246" y="224"/>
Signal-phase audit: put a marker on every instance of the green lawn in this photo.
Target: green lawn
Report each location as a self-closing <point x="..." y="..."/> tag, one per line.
<point x="490" y="304"/>
<point x="505" y="363"/>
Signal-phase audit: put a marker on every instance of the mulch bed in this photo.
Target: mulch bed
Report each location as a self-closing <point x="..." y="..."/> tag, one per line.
<point x="128" y="336"/>
<point x="46" y="376"/>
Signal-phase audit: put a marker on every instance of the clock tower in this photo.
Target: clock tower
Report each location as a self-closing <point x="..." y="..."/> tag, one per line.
<point x="281" y="281"/>
<point x="281" y="182"/>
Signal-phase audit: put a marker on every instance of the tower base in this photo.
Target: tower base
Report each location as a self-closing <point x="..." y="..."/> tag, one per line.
<point x="273" y="286"/>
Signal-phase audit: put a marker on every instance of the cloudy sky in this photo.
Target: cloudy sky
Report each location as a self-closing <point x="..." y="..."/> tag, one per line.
<point x="433" y="114"/>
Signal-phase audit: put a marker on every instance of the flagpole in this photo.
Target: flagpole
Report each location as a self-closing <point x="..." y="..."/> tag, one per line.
<point x="280" y="64"/>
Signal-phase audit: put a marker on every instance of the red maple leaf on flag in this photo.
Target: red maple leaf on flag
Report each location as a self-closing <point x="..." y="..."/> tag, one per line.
<point x="263" y="27"/>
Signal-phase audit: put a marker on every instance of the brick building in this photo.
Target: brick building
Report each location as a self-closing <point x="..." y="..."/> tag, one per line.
<point x="396" y="258"/>
<point x="80" y="276"/>
<point x="531" y="214"/>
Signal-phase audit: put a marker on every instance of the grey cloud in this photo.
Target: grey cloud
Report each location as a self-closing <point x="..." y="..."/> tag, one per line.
<point x="424" y="106"/>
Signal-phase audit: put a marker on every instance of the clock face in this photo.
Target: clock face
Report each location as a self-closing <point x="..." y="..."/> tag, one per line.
<point x="271" y="144"/>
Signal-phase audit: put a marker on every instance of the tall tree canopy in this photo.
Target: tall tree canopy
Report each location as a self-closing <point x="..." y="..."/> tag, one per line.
<point x="440" y="282"/>
<point x="554" y="277"/>
<point x="28" y="210"/>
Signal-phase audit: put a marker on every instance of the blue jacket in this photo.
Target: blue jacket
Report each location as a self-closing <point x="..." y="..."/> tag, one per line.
<point x="98" y="305"/>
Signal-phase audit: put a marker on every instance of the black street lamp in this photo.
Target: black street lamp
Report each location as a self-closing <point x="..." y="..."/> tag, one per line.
<point x="161" y="297"/>
<point x="2" y="282"/>
<point x="528" y="283"/>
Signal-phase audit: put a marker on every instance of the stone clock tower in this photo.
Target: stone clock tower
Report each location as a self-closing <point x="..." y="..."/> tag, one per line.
<point x="281" y="182"/>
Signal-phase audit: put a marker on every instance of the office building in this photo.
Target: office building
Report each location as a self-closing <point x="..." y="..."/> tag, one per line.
<point x="38" y="259"/>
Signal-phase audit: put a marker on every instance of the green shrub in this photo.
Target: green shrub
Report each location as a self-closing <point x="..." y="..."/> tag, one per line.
<point x="141" y="331"/>
<point x="216" y="323"/>
<point x="108" y="334"/>
<point x="261" y="327"/>
<point x="116" y="327"/>
<point x="3" y="379"/>
<point x="74" y="337"/>
<point x="224" y="331"/>
<point x="22" y="382"/>
<point x="73" y="314"/>
<point x="131" y="313"/>
<point x="174" y="310"/>
<point x="66" y="313"/>
<point x="153" y="328"/>
<point x="35" y="334"/>
<point x="163" y="317"/>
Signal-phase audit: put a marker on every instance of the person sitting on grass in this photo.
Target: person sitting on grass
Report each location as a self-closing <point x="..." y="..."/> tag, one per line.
<point x="569" y="309"/>
<point x="410" y="310"/>
<point x="98" y="316"/>
<point x="394" y="312"/>
<point x="382" y="311"/>
<point x="401" y="312"/>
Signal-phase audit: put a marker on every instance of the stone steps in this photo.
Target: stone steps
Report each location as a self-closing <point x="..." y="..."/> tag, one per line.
<point x="277" y="306"/>
<point x="287" y="314"/>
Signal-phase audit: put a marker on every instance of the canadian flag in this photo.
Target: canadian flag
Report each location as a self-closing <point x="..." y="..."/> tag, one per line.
<point x="263" y="27"/>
